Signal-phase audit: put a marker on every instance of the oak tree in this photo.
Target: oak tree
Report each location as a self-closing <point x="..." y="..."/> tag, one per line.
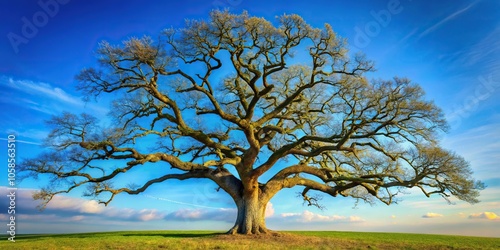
<point x="254" y="106"/>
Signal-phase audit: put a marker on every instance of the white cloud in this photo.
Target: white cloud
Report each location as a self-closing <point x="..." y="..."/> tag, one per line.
<point x="286" y="215"/>
<point x="65" y="209"/>
<point x="355" y="219"/>
<point x="269" y="210"/>
<point x="74" y="204"/>
<point x="50" y="218"/>
<point x="188" y="214"/>
<point x="308" y="216"/>
<point x="150" y="214"/>
<point x="121" y="213"/>
<point x="92" y="207"/>
<point x="485" y="215"/>
<point x="432" y="215"/>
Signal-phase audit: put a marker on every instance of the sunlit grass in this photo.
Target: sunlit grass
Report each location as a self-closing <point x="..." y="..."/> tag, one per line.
<point x="217" y="240"/>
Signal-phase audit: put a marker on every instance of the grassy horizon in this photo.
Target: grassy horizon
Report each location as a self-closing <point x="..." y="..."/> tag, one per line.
<point x="219" y="240"/>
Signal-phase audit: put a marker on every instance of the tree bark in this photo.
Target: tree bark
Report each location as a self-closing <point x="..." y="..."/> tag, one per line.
<point x="251" y="213"/>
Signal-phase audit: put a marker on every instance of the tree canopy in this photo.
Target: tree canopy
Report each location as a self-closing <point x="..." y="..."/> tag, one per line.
<point x="236" y="96"/>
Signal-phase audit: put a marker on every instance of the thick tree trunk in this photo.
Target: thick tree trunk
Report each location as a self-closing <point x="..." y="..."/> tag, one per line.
<point x="251" y="214"/>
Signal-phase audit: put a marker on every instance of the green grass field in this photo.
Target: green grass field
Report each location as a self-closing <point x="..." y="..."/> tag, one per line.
<point x="215" y="240"/>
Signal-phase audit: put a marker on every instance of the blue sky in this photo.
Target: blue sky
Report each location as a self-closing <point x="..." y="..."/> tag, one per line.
<point x="451" y="48"/>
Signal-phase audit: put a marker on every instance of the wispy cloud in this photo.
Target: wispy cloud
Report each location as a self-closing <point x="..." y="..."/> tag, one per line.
<point x="180" y="202"/>
<point x="21" y="141"/>
<point x="53" y="218"/>
<point x="33" y="136"/>
<point x="432" y="215"/>
<point x="308" y="216"/>
<point x="410" y="34"/>
<point x="429" y="30"/>
<point x="41" y="89"/>
<point x="44" y="97"/>
<point x="481" y="147"/>
<point x="222" y="214"/>
<point x="487" y="48"/>
<point x="445" y="20"/>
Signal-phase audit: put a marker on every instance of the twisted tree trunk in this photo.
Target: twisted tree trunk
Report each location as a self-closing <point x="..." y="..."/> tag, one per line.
<point x="251" y="212"/>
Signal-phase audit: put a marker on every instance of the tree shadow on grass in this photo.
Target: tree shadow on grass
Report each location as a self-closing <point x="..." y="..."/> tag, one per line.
<point x="176" y="235"/>
<point x="126" y="234"/>
<point x="41" y="236"/>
